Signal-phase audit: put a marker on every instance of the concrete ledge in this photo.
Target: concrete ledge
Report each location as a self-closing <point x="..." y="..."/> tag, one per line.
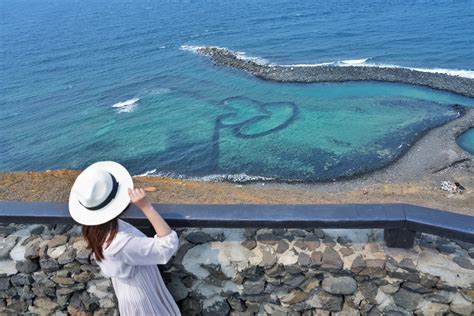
<point x="278" y="216"/>
<point x="441" y="223"/>
<point x="385" y="216"/>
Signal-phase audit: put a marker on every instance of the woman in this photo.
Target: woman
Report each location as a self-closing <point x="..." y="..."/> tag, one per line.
<point x="99" y="195"/>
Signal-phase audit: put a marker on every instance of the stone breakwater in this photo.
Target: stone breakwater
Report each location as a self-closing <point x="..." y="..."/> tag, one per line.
<point x="333" y="73"/>
<point x="46" y="270"/>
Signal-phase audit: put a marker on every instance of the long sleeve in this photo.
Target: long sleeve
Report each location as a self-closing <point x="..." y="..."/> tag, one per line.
<point x="131" y="263"/>
<point x="148" y="250"/>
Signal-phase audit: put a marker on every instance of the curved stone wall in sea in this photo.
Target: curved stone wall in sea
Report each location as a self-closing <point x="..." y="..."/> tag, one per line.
<point x="333" y="73"/>
<point x="46" y="269"/>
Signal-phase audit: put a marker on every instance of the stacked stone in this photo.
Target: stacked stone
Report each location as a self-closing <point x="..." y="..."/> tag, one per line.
<point x="46" y="270"/>
<point x="316" y="272"/>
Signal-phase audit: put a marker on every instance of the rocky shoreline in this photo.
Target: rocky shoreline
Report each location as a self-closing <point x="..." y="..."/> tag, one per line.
<point x="332" y="73"/>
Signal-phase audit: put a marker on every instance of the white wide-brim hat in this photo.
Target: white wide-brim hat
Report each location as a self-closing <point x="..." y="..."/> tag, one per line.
<point x="100" y="193"/>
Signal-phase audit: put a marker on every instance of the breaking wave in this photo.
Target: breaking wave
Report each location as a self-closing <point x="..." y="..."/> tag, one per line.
<point x="126" y="103"/>
<point x="240" y="55"/>
<point x="146" y="173"/>
<point x="466" y="73"/>
<point x="126" y="106"/>
<point x="364" y="62"/>
<point x="192" y="48"/>
<point x="235" y="178"/>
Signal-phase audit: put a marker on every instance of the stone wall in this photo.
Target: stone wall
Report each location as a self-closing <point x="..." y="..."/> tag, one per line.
<point x="45" y="269"/>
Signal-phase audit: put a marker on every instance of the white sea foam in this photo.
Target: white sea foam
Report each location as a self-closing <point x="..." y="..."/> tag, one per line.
<point x="237" y="178"/>
<point x="126" y="106"/>
<point x="239" y="55"/>
<point x="353" y="62"/>
<point x="191" y="48"/>
<point x="146" y="173"/>
<point x="257" y="60"/>
<point x="126" y="103"/>
<point x="364" y="63"/>
<point x="361" y="62"/>
<point x="305" y="65"/>
<point x="127" y="109"/>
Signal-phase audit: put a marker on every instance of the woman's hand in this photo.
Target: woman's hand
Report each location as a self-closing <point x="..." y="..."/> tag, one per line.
<point x="139" y="198"/>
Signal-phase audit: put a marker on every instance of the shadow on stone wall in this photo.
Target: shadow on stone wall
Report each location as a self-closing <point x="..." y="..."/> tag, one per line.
<point x="45" y="269"/>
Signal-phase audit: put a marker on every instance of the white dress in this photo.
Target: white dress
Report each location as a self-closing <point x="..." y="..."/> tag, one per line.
<point x="131" y="262"/>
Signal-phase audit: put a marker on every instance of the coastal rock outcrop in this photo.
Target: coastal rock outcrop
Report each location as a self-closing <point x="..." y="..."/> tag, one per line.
<point x="333" y="73"/>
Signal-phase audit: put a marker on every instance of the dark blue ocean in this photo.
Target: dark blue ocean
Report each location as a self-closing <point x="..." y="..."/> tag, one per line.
<point x="82" y="81"/>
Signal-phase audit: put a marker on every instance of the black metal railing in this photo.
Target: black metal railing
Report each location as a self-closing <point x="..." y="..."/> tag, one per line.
<point x="399" y="221"/>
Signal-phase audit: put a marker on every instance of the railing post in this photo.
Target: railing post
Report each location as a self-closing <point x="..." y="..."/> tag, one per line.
<point x="399" y="238"/>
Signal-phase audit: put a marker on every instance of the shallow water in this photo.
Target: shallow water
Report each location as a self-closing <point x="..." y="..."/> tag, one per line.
<point x="82" y="81"/>
<point x="466" y="140"/>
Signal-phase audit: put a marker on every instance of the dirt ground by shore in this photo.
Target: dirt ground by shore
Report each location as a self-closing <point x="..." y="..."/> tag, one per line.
<point x="54" y="186"/>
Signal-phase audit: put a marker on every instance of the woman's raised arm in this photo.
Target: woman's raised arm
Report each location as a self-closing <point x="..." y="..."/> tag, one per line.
<point x="139" y="198"/>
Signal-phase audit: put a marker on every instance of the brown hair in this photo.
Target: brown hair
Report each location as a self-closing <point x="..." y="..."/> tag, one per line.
<point x="97" y="235"/>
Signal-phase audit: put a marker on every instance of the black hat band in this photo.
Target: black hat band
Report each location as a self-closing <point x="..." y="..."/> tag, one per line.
<point x="109" y="198"/>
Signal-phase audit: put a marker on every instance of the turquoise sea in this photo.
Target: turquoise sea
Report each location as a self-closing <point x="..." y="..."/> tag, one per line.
<point x="82" y="81"/>
<point x="466" y="140"/>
